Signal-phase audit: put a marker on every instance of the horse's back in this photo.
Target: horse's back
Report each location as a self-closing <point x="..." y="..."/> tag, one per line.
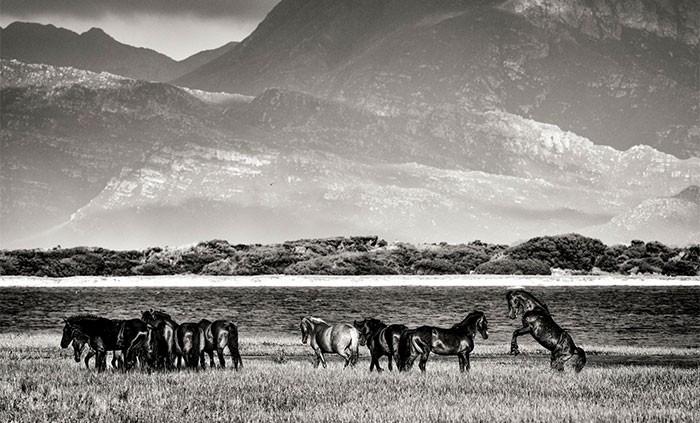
<point x="343" y="336"/>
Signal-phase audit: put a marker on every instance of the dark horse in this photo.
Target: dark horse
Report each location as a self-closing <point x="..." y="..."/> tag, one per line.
<point x="161" y="338"/>
<point x="81" y="341"/>
<point x="457" y="340"/>
<point x="381" y="340"/>
<point x="539" y="323"/>
<point x="190" y="345"/>
<point x="106" y="335"/>
<point x="218" y="335"/>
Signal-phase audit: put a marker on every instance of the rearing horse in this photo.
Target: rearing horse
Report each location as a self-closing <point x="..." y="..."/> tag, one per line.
<point x="457" y="340"/>
<point x="342" y="339"/>
<point x="539" y="323"/>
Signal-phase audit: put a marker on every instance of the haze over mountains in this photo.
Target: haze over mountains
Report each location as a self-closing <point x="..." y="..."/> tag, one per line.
<point x="96" y="51"/>
<point x="416" y="121"/>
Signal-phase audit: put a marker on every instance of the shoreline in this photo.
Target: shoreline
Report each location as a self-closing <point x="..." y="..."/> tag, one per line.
<point x="294" y="281"/>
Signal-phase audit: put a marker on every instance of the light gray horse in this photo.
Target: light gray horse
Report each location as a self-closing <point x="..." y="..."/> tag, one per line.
<point x="342" y="339"/>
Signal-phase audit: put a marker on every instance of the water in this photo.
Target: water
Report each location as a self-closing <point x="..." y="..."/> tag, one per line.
<point x="615" y="316"/>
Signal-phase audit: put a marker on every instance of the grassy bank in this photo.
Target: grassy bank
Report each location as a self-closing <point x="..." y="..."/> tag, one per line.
<point x="40" y="382"/>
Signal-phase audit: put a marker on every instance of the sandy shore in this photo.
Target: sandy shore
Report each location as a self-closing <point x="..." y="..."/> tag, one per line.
<point x="344" y="281"/>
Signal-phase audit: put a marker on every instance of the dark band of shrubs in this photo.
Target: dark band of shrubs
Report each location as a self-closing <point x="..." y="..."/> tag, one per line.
<point x="361" y="256"/>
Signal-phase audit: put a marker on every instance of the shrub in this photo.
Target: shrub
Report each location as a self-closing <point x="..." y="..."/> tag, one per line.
<point x="509" y="266"/>
<point x="680" y="268"/>
<point x="571" y="251"/>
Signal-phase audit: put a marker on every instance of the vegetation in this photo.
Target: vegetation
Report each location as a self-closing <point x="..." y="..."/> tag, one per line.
<point x="40" y="384"/>
<point x="361" y="256"/>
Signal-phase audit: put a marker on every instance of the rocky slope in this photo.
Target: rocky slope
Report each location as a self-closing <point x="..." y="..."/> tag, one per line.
<point x="96" y="51"/>
<point x="631" y="84"/>
<point x="671" y="220"/>
<point x="89" y="157"/>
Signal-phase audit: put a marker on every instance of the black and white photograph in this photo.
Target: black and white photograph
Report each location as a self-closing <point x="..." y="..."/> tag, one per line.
<point x="350" y="211"/>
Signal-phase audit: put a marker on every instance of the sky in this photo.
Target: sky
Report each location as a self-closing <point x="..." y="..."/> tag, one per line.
<point x="177" y="28"/>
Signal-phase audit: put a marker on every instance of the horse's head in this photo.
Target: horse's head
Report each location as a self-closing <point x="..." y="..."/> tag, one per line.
<point x="360" y="326"/>
<point x="68" y="329"/>
<point x="482" y="325"/>
<point x="79" y="342"/>
<point x="520" y="301"/>
<point x="304" y="326"/>
<point x="147" y="316"/>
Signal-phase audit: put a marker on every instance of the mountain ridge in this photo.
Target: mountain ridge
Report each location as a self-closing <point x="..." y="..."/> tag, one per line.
<point x="416" y="61"/>
<point x="95" y="50"/>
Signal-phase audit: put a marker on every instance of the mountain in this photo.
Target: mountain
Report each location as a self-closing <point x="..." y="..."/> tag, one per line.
<point x="198" y="60"/>
<point x="89" y="157"/>
<point x="617" y="73"/>
<point x="96" y="51"/>
<point x="672" y="220"/>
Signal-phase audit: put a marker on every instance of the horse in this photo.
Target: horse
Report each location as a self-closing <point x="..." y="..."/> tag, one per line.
<point x="218" y="335"/>
<point x="190" y="344"/>
<point x="80" y="341"/>
<point x="342" y="339"/>
<point x="539" y="323"/>
<point x="161" y="338"/>
<point x="457" y="340"/>
<point x="381" y="340"/>
<point x="106" y="335"/>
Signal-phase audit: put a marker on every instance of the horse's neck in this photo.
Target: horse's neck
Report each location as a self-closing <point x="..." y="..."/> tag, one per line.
<point x="531" y="303"/>
<point x="376" y="328"/>
<point x="319" y="327"/>
<point x="469" y="326"/>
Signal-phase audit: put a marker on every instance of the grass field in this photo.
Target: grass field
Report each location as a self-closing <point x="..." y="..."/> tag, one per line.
<point x="40" y="382"/>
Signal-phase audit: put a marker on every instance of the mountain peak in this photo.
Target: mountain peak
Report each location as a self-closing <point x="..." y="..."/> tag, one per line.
<point x="692" y="193"/>
<point x="96" y="33"/>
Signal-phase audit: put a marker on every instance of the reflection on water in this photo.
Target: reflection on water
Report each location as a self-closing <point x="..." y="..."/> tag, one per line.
<point x="636" y="316"/>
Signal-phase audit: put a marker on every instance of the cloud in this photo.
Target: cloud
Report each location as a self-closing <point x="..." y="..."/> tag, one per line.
<point x="241" y="9"/>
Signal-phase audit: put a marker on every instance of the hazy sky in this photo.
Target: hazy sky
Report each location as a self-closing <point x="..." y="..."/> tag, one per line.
<point x="177" y="28"/>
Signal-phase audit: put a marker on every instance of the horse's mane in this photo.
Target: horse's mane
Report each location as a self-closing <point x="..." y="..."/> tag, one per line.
<point x="160" y="314"/>
<point x="80" y="317"/>
<point x="314" y="319"/>
<point x="474" y="315"/>
<point x="523" y="293"/>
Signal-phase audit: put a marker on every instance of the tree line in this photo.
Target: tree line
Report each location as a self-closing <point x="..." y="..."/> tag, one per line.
<point x="367" y="255"/>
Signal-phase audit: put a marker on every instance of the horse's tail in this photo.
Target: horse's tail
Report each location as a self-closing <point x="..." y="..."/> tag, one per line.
<point x="233" y="345"/>
<point x="354" y="346"/>
<point x="581" y="360"/>
<point x="404" y="349"/>
<point x="136" y="347"/>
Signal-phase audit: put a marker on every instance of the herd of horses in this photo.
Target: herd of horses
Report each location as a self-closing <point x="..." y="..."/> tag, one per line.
<point x="158" y="342"/>
<point x="155" y="340"/>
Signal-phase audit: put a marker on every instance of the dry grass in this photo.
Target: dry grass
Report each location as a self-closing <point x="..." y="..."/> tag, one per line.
<point x="38" y="383"/>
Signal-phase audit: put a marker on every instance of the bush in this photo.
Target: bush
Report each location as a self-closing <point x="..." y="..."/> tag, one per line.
<point x="680" y="268"/>
<point x="571" y="251"/>
<point x="509" y="266"/>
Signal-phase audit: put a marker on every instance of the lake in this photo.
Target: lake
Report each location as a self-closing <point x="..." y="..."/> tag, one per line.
<point x="648" y="316"/>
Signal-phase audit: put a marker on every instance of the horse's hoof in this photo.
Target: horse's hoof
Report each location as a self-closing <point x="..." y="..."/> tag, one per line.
<point x="514" y="352"/>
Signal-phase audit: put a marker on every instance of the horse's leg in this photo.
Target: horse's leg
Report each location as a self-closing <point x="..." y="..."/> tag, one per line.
<point x="514" y="350"/>
<point x="423" y="359"/>
<point x="389" y="362"/>
<point x="375" y="359"/>
<point x="556" y="362"/>
<point x="222" y="361"/>
<point x="322" y="358"/>
<point x="88" y="356"/>
<point x="464" y="361"/>
<point x="211" y="358"/>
